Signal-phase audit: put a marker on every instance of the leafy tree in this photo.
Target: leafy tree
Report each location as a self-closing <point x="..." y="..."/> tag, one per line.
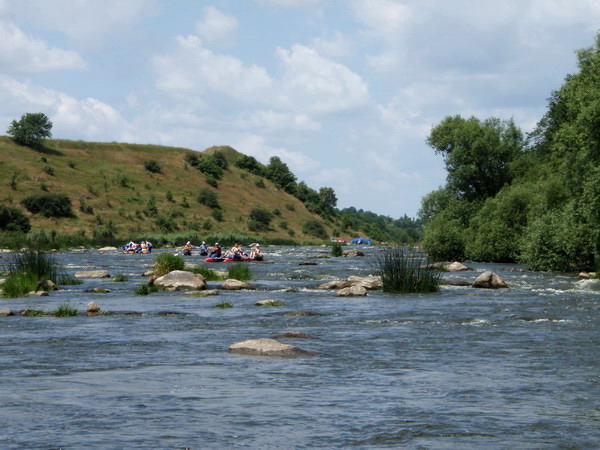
<point x="13" y="219"/>
<point x="279" y="173"/>
<point x="250" y="164"/>
<point x="31" y="129"/>
<point x="259" y="219"/>
<point x="314" y="228"/>
<point x="477" y="154"/>
<point x="328" y="198"/>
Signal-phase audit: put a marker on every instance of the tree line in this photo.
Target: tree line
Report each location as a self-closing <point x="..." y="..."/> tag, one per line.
<point x="531" y="199"/>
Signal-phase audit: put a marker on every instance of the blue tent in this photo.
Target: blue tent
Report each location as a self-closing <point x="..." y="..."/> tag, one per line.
<point x="361" y="241"/>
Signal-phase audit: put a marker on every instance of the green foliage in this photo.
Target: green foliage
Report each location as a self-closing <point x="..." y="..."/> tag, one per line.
<point x="259" y="219"/>
<point x="259" y="183"/>
<point x="336" y="249"/>
<point x="13" y="219"/>
<point x="239" y="272"/>
<point x="18" y="284"/>
<point x="279" y="173"/>
<point x="207" y="164"/>
<point x="208" y="274"/>
<point x="152" y="166"/>
<point x="151" y="208"/>
<point x="250" y="164"/>
<point x="167" y="262"/>
<point x="65" y="310"/>
<point x="31" y="129"/>
<point x="217" y="214"/>
<point x="208" y="197"/>
<point x="169" y="196"/>
<point x="314" y="228"/>
<point x="402" y="273"/>
<point x="49" y="170"/>
<point x="120" y="278"/>
<point x="223" y="305"/>
<point x="49" y="205"/>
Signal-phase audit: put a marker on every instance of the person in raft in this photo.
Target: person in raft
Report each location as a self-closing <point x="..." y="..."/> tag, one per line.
<point x="216" y="251"/>
<point x="203" y="249"/>
<point x="187" y="249"/>
<point x="256" y="252"/>
<point x="236" y="252"/>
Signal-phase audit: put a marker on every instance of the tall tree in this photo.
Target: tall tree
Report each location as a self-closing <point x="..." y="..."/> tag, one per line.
<point x="279" y="173"/>
<point x="477" y="154"/>
<point x="31" y="129"/>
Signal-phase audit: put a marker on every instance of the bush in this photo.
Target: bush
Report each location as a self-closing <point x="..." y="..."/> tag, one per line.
<point x="314" y="228"/>
<point x="19" y="284"/>
<point x="65" y="310"/>
<point x="259" y="219"/>
<point x="401" y="274"/>
<point x="336" y="249"/>
<point x="152" y="166"/>
<point x="12" y="219"/>
<point x="208" y="198"/>
<point x="49" y="205"/>
<point x="167" y="262"/>
<point x="217" y="214"/>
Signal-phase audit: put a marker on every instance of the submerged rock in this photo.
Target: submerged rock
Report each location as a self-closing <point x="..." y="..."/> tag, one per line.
<point x="353" y="253"/>
<point x="235" y="285"/>
<point x="181" y="279"/>
<point x="489" y="280"/>
<point x="38" y="294"/>
<point x="294" y="335"/>
<point x="335" y="284"/>
<point x="107" y="249"/>
<point x="269" y="302"/>
<point x="6" y="312"/>
<point x="267" y="347"/>
<point x="352" y="291"/>
<point x="92" y="274"/>
<point x="301" y="314"/>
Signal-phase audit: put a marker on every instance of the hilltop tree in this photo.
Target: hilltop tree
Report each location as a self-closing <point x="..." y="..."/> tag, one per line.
<point x="31" y="129"/>
<point x="279" y="173"/>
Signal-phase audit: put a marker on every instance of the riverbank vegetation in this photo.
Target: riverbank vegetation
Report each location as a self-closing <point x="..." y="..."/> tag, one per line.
<point x="402" y="272"/>
<point x="531" y="199"/>
<point x="26" y="270"/>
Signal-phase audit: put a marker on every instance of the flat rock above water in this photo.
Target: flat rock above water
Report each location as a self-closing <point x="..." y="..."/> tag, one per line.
<point x="267" y="347"/>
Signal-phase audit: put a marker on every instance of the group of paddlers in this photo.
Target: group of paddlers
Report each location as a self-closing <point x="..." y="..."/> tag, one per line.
<point x="236" y="252"/>
<point x="140" y="247"/>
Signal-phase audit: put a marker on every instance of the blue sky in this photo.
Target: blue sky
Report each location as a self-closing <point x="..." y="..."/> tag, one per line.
<point x="344" y="91"/>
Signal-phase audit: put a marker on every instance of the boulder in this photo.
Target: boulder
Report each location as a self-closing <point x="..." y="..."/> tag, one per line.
<point x="353" y="253"/>
<point x="307" y="263"/>
<point x="489" y="280"/>
<point x="6" y="312"/>
<point x="269" y="302"/>
<point x="369" y="282"/>
<point x="456" y="267"/>
<point x="235" y="285"/>
<point x="352" y="291"/>
<point x="336" y="284"/>
<point x="204" y="293"/>
<point x="180" y="279"/>
<point x="46" y="285"/>
<point x="587" y="275"/>
<point x="92" y="274"/>
<point x="93" y="308"/>
<point x="107" y="249"/>
<point x="267" y="347"/>
<point x="38" y="294"/>
<point x="294" y="335"/>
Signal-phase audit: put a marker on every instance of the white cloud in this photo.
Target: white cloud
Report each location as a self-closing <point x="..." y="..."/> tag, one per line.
<point x="20" y="53"/>
<point x="215" y="25"/>
<point x="384" y="16"/>
<point x="311" y="82"/>
<point x="86" y="22"/>
<point x="192" y="70"/>
<point x="275" y="121"/>
<point x="85" y="119"/>
<point x="294" y="4"/>
<point x="339" y="46"/>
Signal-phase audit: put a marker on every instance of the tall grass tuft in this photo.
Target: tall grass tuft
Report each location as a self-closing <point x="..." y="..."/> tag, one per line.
<point x="66" y="310"/>
<point x="25" y="270"/>
<point x="208" y="274"/>
<point x="239" y="272"/>
<point x="336" y="249"/>
<point x="167" y="262"/>
<point x="402" y="274"/>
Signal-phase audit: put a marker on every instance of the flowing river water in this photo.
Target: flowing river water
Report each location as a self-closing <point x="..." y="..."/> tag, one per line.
<point x="461" y="368"/>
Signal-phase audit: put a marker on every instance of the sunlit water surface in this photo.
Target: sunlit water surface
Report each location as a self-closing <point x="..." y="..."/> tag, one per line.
<point x="462" y="368"/>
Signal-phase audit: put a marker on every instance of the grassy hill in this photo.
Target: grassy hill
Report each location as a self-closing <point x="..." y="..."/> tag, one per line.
<point x="111" y="188"/>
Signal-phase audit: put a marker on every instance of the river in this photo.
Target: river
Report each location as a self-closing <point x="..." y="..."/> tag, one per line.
<point x="461" y="368"/>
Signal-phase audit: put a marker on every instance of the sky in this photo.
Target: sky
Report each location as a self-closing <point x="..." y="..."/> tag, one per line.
<point x="345" y="92"/>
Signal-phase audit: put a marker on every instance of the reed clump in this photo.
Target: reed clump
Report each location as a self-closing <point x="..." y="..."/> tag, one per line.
<point x="402" y="273"/>
<point x="167" y="262"/>
<point x="239" y="272"/>
<point x="26" y="269"/>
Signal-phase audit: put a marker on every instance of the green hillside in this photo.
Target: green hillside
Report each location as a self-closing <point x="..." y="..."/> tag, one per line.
<point x="128" y="190"/>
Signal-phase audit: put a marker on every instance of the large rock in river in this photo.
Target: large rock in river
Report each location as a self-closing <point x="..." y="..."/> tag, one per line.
<point x="352" y="291"/>
<point x="235" y="285"/>
<point x="267" y="347"/>
<point x="370" y="282"/>
<point x="489" y="280"/>
<point x="92" y="274"/>
<point x="180" y="279"/>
